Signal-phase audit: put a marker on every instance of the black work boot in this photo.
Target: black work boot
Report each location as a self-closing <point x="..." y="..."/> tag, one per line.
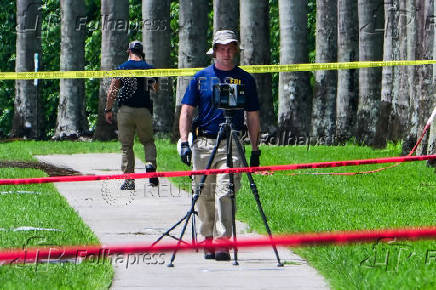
<point x="222" y="254"/>
<point x="129" y="184"/>
<point x="209" y="252"/>
<point x="150" y="168"/>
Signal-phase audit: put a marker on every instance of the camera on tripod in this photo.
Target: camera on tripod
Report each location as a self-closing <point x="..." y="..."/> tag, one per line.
<point x="229" y="96"/>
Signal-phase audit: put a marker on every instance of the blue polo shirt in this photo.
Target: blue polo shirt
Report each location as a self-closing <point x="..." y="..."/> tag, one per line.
<point x="200" y="90"/>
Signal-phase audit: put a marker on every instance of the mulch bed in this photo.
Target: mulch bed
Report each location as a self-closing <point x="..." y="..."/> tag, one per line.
<point x="50" y="169"/>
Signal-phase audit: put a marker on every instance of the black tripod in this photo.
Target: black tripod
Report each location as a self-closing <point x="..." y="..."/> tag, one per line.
<point x="185" y="218"/>
<point x="225" y="132"/>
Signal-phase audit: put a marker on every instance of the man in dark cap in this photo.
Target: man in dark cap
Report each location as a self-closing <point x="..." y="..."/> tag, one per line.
<point x="134" y="114"/>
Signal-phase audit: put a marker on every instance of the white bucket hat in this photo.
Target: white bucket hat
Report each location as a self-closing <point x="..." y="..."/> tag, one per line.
<point x="223" y="37"/>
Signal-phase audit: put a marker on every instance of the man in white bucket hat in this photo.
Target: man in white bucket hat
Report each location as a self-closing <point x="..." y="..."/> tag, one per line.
<point x="223" y="37"/>
<point x="215" y="203"/>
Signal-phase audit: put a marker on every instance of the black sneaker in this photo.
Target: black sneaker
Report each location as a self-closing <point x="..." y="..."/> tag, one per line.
<point x="129" y="184"/>
<point x="153" y="181"/>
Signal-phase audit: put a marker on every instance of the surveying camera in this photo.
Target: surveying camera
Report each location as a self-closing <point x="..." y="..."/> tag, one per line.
<point x="229" y="96"/>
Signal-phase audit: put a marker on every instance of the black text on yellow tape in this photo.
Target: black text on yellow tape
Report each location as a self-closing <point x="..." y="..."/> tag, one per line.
<point x="191" y="71"/>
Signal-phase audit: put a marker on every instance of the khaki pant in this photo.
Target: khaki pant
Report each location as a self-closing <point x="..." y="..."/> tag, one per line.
<point x="139" y="120"/>
<point x="215" y="203"/>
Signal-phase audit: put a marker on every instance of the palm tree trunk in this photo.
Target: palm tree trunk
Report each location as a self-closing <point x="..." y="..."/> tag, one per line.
<point x="255" y="41"/>
<point x="114" y="44"/>
<point x="371" y="23"/>
<point x="412" y="121"/>
<point x="193" y="22"/>
<point x="400" y="102"/>
<point x="156" y="40"/>
<point x="348" y="87"/>
<point x="295" y="94"/>
<point x="424" y="39"/>
<point x="431" y="148"/>
<point x="71" y="118"/>
<point x="390" y="75"/>
<point x="226" y="15"/>
<point x="324" y="99"/>
<point x="26" y="107"/>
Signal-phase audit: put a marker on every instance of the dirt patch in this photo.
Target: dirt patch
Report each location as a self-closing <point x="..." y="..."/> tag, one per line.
<point x="48" y="168"/>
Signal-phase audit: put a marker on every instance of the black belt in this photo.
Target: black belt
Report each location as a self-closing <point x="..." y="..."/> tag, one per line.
<point x="210" y="136"/>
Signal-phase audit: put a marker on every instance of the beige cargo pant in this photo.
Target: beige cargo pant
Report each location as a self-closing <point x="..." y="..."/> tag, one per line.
<point x="215" y="203"/>
<point x="139" y="120"/>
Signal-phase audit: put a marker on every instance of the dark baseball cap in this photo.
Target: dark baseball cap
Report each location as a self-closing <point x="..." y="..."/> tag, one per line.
<point x="136" y="45"/>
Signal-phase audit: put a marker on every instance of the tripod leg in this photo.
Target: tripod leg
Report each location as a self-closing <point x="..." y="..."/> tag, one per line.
<point x="232" y="195"/>
<point x="167" y="233"/>
<point x="188" y="216"/>
<point x="256" y="195"/>
<point x="193" y="225"/>
<point x="197" y="194"/>
<point x="194" y="229"/>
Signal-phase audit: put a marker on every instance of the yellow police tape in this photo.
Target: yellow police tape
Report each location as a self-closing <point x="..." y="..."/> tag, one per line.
<point x="191" y="71"/>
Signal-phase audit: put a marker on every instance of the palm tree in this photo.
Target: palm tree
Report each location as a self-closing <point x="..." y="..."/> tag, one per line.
<point x="255" y="41"/>
<point x="26" y="107"/>
<point x="71" y="118"/>
<point x="156" y="40"/>
<point x="226" y="15"/>
<point x="193" y="22"/>
<point x="114" y="43"/>
<point x="432" y="136"/>
<point x="371" y="23"/>
<point x="384" y="125"/>
<point x="410" y="137"/>
<point x="401" y="99"/>
<point x="425" y="90"/>
<point x="348" y="88"/>
<point x="324" y="98"/>
<point x="295" y="94"/>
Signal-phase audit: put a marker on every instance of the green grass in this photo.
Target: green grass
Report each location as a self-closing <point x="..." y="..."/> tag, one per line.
<point x="47" y="209"/>
<point x="394" y="198"/>
<point x="66" y="276"/>
<point x="398" y="197"/>
<point x="24" y="150"/>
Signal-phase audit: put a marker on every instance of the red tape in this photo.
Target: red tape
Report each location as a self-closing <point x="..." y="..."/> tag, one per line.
<point x="380" y="169"/>
<point x="215" y="171"/>
<point x="35" y="255"/>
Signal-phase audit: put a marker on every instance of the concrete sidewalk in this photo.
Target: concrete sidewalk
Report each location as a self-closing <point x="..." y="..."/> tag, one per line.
<point x="144" y="214"/>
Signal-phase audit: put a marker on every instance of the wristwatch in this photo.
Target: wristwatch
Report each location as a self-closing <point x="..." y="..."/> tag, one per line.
<point x="106" y="110"/>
